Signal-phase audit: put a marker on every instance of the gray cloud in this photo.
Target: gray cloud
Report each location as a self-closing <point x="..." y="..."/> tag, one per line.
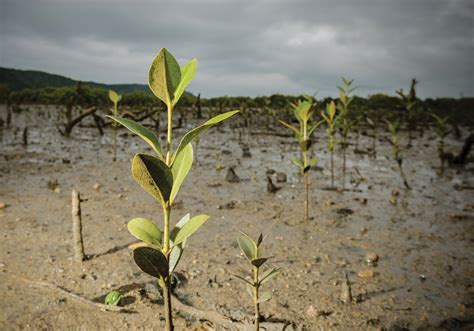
<point x="250" y="47"/>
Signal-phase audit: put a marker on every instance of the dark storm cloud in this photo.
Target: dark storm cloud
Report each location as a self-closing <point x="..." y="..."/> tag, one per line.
<point x="250" y="47"/>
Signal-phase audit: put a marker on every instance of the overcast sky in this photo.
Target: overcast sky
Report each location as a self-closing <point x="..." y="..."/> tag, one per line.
<point x="250" y="47"/>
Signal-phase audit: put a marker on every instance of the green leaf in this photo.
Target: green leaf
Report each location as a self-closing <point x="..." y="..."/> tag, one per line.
<point x="113" y="298"/>
<point x="297" y="162"/>
<point x="187" y="74"/>
<point x="175" y="256"/>
<point x="151" y="261"/>
<point x="268" y="274"/>
<point x="259" y="262"/>
<point x="294" y="129"/>
<point x="180" y="169"/>
<point x="331" y="110"/>
<point x="190" y="227"/>
<point x="313" y="162"/>
<point x="264" y="296"/>
<point x="314" y="127"/>
<point x="143" y="132"/>
<point x="153" y="175"/>
<point x="249" y="290"/>
<point x="248" y="246"/>
<point x="114" y="97"/>
<point x="185" y="219"/>
<point x="145" y="230"/>
<point x="243" y="279"/>
<point x="305" y="145"/>
<point x="188" y="137"/>
<point x="164" y="76"/>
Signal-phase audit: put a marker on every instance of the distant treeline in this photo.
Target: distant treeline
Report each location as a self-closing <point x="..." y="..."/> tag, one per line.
<point x="457" y="109"/>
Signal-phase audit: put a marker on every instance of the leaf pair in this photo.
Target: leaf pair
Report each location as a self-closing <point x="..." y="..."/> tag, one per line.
<point x="167" y="80"/>
<point x="152" y="260"/>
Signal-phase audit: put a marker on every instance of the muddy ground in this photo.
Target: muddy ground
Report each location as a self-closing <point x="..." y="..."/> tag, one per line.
<point x="422" y="281"/>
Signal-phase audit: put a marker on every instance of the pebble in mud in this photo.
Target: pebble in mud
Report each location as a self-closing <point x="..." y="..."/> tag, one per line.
<point x="281" y="177"/>
<point x="371" y="258"/>
<point x="366" y="274"/>
<point x="2" y="205"/>
<point x="96" y="186"/>
<point x="231" y="176"/>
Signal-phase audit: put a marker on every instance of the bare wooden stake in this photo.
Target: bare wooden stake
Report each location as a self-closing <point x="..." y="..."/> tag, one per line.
<point x="78" y="247"/>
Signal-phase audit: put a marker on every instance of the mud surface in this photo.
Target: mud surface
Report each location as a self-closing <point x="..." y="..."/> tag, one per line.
<point x="423" y="237"/>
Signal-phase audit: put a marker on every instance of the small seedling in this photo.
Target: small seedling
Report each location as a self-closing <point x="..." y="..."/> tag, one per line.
<point x="442" y="132"/>
<point x="410" y="103"/>
<point x="343" y="120"/>
<point x="303" y="113"/>
<point x="396" y="152"/>
<point x="252" y="252"/>
<point x="162" y="174"/>
<point x="113" y="298"/>
<point x="330" y="119"/>
<point x="115" y="98"/>
<point x="373" y="126"/>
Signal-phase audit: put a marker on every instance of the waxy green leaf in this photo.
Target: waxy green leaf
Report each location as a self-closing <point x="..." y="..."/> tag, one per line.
<point x="113" y="298"/>
<point x="268" y="274"/>
<point x="114" y="97"/>
<point x="180" y="169"/>
<point x="244" y="280"/>
<point x="190" y="227"/>
<point x="143" y="229"/>
<point x="264" y="296"/>
<point x="188" y="137"/>
<point x="164" y="76"/>
<point x="154" y="176"/>
<point x="187" y="74"/>
<point x="248" y="246"/>
<point x="151" y="261"/>
<point x="175" y="256"/>
<point x="143" y="132"/>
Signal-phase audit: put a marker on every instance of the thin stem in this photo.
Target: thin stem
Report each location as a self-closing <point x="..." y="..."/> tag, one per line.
<point x="332" y="168"/>
<point x="306" y="197"/>
<point x="256" y="297"/>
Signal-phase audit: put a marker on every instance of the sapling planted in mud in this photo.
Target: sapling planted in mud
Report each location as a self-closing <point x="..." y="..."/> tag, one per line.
<point x="330" y="119"/>
<point x="396" y="151"/>
<point x="303" y="113"/>
<point x="373" y="127"/>
<point x="162" y="174"/>
<point x="252" y="252"/>
<point x="115" y="98"/>
<point x="442" y="132"/>
<point x="343" y="120"/>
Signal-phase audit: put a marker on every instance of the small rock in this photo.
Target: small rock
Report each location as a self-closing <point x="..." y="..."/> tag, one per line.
<point x="231" y="176"/>
<point x="281" y="177"/>
<point x="346" y="293"/>
<point x="366" y="273"/>
<point x="371" y="258"/>
<point x="2" y="265"/>
<point x="271" y="188"/>
<point x="345" y="211"/>
<point x="96" y="186"/>
<point x="270" y="172"/>
<point x="246" y="152"/>
<point x="311" y="311"/>
<point x="2" y="205"/>
<point x="57" y="190"/>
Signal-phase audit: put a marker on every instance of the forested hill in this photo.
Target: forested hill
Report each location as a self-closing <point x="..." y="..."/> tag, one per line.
<point x="15" y="80"/>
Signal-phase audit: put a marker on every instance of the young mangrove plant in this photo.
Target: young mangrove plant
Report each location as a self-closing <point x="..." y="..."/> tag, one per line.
<point x="115" y="98"/>
<point x="303" y="113"/>
<point x="330" y="119"/>
<point x="343" y="120"/>
<point x="162" y="174"/>
<point x="396" y="151"/>
<point x="252" y="252"/>
<point x="410" y="103"/>
<point x="442" y="132"/>
<point x="373" y="127"/>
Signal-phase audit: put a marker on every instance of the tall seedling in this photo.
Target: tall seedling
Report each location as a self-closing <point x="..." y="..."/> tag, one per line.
<point x="396" y="152"/>
<point x="162" y="174"/>
<point x="343" y="120"/>
<point x="410" y="103"/>
<point x="303" y="113"/>
<point x="115" y="98"/>
<point x="330" y="119"/>
<point x="252" y="252"/>
<point x="442" y="132"/>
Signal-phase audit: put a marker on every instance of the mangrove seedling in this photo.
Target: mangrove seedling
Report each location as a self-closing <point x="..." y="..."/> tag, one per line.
<point x="410" y="104"/>
<point x="162" y="174"/>
<point x="330" y="119"/>
<point x="303" y="113"/>
<point x="442" y="132"/>
<point x="115" y="98"/>
<point x="373" y="127"/>
<point x="252" y="252"/>
<point x="343" y="120"/>
<point x="113" y="298"/>
<point x="396" y="152"/>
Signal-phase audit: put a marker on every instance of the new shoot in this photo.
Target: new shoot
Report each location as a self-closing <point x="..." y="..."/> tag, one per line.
<point x="253" y="252"/>
<point x="442" y="132"/>
<point x="396" y="152"/>
<point x="330" y="119"/>
<point x="115" y="98"/>
<point x="162" y="174"/>
<point x="303" y="113"/>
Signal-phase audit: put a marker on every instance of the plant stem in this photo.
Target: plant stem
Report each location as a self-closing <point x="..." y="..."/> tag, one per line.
<point x="332" y="168"/>
<point x="306" y="197"/>
<point x="344" y="163"/>
<point x="256" y="297"/>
